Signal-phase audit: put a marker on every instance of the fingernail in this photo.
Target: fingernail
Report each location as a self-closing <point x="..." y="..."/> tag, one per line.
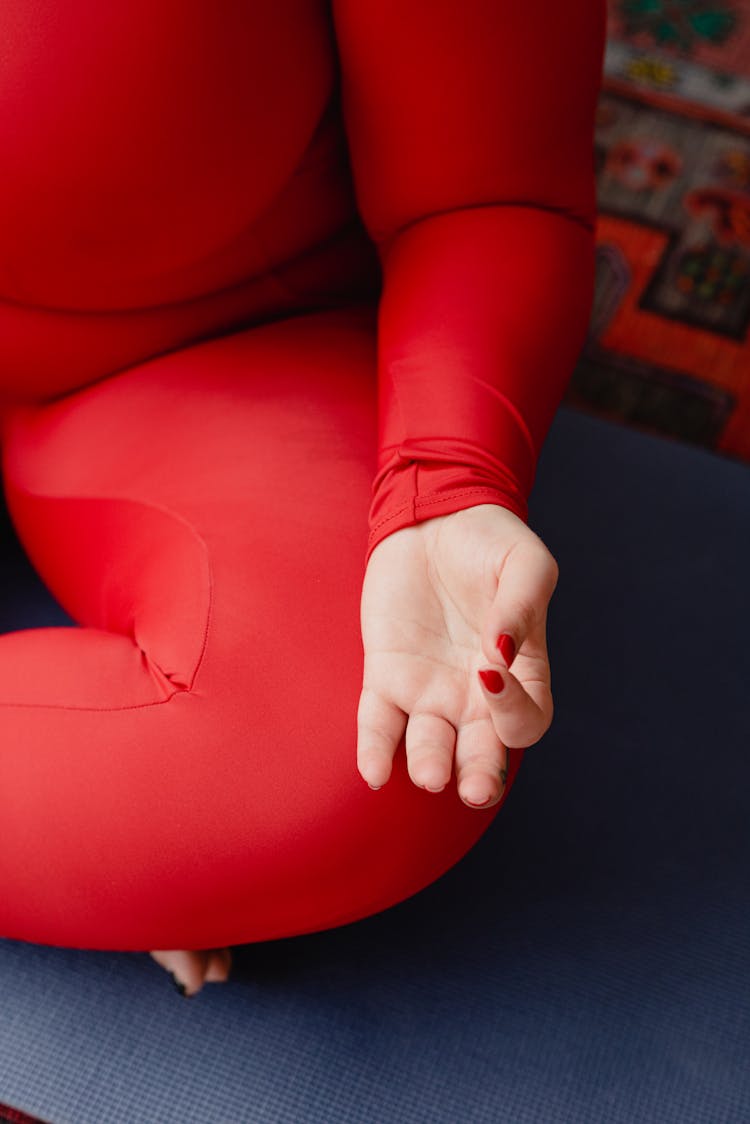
<point x="374" y="787"/>
<point x="479" y="804"/>
<point x="180" y="986"/>
<point x="492" y="680"/>
<point x="507" y="647"/>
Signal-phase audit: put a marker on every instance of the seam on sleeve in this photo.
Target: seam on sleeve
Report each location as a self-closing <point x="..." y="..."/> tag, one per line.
<point x="589" y="225"/>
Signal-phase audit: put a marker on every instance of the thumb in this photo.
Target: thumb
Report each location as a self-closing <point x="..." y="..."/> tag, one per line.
<point x="518" y="612"/>
<point x="520" y="717"/>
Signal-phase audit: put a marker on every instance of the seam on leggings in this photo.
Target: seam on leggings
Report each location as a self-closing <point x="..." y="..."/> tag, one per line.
<point x="204" y="641"/>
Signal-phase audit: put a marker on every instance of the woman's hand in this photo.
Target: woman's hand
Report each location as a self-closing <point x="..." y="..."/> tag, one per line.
<point x="436" y="598"/>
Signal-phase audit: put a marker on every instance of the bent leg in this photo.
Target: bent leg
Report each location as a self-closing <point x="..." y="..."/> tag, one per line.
<point x="180" y="771"/>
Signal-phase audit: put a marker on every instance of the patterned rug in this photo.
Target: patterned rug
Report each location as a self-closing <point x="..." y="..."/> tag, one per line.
<point x="668" y="347"/>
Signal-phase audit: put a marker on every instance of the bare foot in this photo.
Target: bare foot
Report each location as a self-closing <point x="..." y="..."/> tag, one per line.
<point x="194" y="967"/>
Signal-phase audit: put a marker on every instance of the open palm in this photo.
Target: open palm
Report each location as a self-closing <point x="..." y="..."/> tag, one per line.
<point x="436" y="598"/>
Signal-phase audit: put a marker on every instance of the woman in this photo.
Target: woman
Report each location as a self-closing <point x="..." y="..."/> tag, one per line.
<point x="274" y="276"/>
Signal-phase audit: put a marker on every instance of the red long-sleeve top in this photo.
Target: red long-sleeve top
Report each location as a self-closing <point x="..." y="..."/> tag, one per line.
<point x="174" y="170"/>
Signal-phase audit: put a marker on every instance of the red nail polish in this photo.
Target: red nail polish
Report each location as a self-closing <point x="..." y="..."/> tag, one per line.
<point x="492" y="680"/>
<point x="507" y="647"/>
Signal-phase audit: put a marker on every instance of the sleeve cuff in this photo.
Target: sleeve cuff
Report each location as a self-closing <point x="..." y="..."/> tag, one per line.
<point x="408" y="491"/>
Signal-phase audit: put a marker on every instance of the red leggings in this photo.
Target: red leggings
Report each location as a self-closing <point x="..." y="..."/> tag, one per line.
<point x="181" y="771"/>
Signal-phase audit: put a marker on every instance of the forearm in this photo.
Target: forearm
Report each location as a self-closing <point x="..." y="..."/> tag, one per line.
<point x="483" y="314"/>
<point x="471" y="130"/>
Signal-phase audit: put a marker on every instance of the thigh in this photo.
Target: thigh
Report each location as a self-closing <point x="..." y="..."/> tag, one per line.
<point x="208" y="514"/>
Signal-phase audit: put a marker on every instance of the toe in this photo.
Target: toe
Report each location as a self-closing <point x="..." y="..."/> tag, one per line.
<point x="187" y="965"/>
<point x="219" y="965"/>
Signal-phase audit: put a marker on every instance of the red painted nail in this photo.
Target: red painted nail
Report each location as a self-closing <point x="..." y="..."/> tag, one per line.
<point x="507" y="647"/>
<point x="492" y="680"/>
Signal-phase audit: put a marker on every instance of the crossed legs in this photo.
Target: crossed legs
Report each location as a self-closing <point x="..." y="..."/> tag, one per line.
<point x="180" y="771"/>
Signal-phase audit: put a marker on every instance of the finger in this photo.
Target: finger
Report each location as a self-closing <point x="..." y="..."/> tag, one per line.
<point x="380" y="727"/>
<point x="517" y="617"/>
<point x="481" y="764"/>
<point x="430" y="741"/>
<point x="521" y="713"/>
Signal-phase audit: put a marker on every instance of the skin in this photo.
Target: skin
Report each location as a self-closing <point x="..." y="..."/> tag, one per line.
<point x="195" y="967"/>
<point x="436" y="596"/>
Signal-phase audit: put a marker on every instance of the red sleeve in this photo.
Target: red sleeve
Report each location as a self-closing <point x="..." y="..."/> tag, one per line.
<point x="470" y="127"/>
